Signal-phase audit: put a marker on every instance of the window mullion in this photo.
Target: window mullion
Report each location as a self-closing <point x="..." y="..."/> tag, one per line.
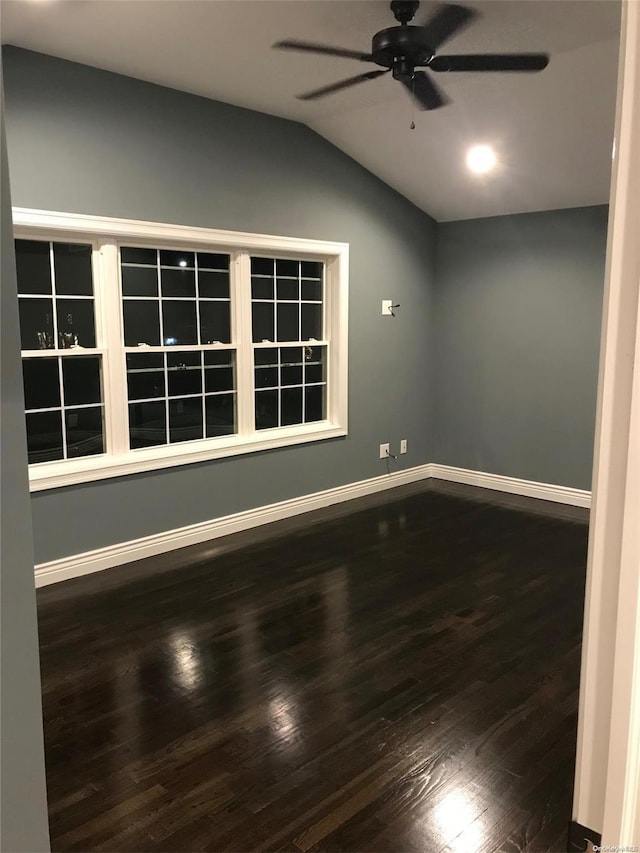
<point x="241" y="302"/>
<point x="114" y="359"/>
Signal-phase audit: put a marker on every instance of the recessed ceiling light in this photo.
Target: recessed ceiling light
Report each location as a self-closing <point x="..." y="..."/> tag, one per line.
<point x="182" y="263"/>
<point x="481" y="159"/>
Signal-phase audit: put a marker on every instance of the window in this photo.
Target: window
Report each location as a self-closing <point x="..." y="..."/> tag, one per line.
<point x="149" y="345"/>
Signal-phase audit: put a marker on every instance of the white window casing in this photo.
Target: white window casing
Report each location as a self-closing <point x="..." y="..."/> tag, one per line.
<point x="105" y="235"/>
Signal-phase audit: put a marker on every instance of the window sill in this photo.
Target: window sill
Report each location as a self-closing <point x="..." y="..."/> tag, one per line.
<point x="55" y="475"/>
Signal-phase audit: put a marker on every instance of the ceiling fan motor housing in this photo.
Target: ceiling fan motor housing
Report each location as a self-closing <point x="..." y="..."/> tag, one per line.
<point x="400" y="48"/>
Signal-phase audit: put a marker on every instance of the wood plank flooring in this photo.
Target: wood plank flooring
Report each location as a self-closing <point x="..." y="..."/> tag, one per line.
<point x="400" y="678"/>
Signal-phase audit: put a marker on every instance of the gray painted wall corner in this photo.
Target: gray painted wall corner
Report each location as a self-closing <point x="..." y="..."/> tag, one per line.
<point x="23" y="800"/>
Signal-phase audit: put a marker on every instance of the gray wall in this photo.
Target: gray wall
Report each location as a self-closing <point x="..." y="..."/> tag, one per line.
<point x="516" y="331"/>
<point x="23" y="803"/>
<point x="87" y="141"/>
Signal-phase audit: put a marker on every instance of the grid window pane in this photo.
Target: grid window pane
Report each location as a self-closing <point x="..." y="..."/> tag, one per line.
<point x="147" y="424"/>
<point x="185" y="420"/>
<point x="261" y="288"/>
<point x="215" y="322"/>
<point x="220" y="413"/>
<point x="178" y="282"/>
<point x="210" y="261"/>
<point x="262" y="266"/>
<point x="172" y="258"/>
<point x="76" y="325"/>
<point x="179" y="323"/>
<point x="44" y="436"/>
<point x="213" y="285"/>
<point x="36" y="324"/>
<point x="184" y="373"/>
<point x="81" y="380"/>
<point x="218" y="378"/>
<point x="72" y="266"/>
<point x="266" y="409"/>
<point x="288" y="288"/>
<point x="263" y="322"/>
<point x="145" y="375"/>
<point x="290" y="406"/>
<point x="315" y="403"/>
<point x="311" y="322"/>
<point x="139" y="281"/>
<point x="141" y="323"/>
<point x="288" y="268"/>
<point x="41" y="383"/>
<point x="135" y="255"/>
<point x="288" y="322"/>
<point x="311" y="291"/>
<point x="84" y="431"/>
<point x="33" y="266"/>
<point x="266" y="377"/>
<point x="311" y="269"/>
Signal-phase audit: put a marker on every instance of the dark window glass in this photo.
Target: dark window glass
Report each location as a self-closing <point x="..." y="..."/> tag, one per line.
<point x="209" y="261"/>
<point x="44" y="436"/>
<point x="215" y="322"/>
<point x="266" y="377"/>
<point x="219" y="357"/>
<point x="287" y="288"/>
<point x="145" y="375"/>
<point x="147" y="424"/>
<point x="291" y="366"/>
<point x="36" y="324"/>
<point x="262" y="266"/>
<point x="170" y="258"/>
<point x="133" y="255"/>
<point x="179" y="322"/>
<point x="266" y="409"/>
<point x="314" y="365"/>
<point x="218" y="379"/>
<point x="288" y="327"/>
<point x="139" y="281"/>
<point x="311" y="269"/>
<point x="290" y="406"/>
<point x="314" y="402"/>
<point x="312" y="291"/>
<point x="263" y="327"/>
<point x="184" y="373"/>
<point x="72" y="266"/>
<point x="33" y="266"/>
<point x="41" y="383"/>
<point x="287" y="267"/>
<point x="84" y="432"/>
<point x="176" y="282"/>
<point x="266" y="356"/>
<point x="141" y="323"/>
<point x="220" y="415"/>
<point x="81" y="380"/>
<point x="75" y="323"/>
<point x="311" y="322"/>
<point x="185" y="420"/>
<point x="262" y="288"/>
<point x="213" y="285"/>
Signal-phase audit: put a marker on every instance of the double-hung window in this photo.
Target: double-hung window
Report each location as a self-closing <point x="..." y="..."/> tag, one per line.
<point x="147" y="345"/>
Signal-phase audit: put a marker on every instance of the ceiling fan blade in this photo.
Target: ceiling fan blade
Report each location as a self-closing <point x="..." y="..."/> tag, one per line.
<point x="445" y="23"/>
<point x="491" y="62"/>
<point x="310" y="47"/>
<point x="424" y="90"/>
<point x="343" y="84"/>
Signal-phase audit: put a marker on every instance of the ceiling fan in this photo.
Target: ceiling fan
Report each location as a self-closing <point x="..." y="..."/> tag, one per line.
<point x="403" y="49"/>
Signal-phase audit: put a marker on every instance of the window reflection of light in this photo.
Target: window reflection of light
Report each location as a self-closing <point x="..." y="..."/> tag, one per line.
<point x="186" y="659"/>
<point x="457" y="823"/>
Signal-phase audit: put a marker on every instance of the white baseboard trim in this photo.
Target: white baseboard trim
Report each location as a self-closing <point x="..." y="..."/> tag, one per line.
<point x="513" y="485"/>
<point x="77" y="565"/>
<point x="149" y="546"/>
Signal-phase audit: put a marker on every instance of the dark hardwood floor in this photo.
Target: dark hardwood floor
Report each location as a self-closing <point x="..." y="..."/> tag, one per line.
<point x="401" y="678"/>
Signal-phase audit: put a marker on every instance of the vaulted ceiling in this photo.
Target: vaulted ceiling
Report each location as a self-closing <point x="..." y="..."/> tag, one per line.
<point x="552" y="131"/>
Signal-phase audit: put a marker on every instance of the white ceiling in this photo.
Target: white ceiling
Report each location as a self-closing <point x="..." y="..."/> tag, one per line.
<point x="552" y="131"/>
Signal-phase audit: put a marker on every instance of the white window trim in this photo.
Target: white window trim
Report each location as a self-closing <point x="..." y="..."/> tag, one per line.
<point x="102" y="231"/>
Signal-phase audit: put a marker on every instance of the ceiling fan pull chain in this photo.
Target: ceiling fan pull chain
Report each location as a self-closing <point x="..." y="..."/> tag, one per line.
<point x="412" y="126"/>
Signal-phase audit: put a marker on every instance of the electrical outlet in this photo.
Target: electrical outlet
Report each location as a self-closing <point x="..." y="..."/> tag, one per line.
<point x="387" y="307"/>
<point x="403" y="445"/>
<point x="384" y="451"/>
